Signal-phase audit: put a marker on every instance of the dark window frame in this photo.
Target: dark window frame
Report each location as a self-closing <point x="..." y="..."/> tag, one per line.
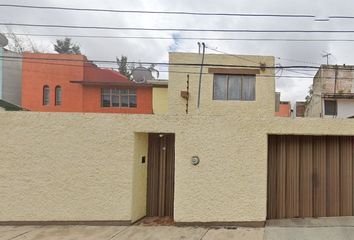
<point x="119" y="93"/>
<point x="58" y="96"/>
<point x="328" y="111"/>
<point x="45" y="95"/>
<point x="240" y="90"/>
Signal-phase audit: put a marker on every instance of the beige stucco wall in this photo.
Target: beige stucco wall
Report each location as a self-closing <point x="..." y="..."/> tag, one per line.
<point x="87" y="167"/>
<point x="159" y="100"/>
<point x="139" y="176"/>
<point x="58" y="166"/>
<point x="265" y="86"/>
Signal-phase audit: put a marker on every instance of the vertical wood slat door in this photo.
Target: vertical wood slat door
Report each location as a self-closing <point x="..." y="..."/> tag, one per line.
<point x="160" y="175"/>
<point x="310" y="176"/>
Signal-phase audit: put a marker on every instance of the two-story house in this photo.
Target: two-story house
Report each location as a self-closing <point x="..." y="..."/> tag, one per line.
<point x="333" y="93"/>
<point x="71" y="83"/>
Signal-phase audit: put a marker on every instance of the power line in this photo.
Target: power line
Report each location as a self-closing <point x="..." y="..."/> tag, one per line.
<point x="233" y="55"/>
<point x="245" y="59"/>
<point x="161" y="12"/>
<point x="178" y="72"/>
<point x="175" y="71"/>
<point x="272" y="15"/>
<point x="183" y="38"/>
<point x="176" y="29"/>
<point x="158" y="63"/>
<point x="296" y="60"/>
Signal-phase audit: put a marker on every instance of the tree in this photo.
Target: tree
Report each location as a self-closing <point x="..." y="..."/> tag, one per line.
<point x="21" y="44"/>
<point x="126" y="69"/>
<point x="66" y="46"/>
<point x="309" y="95"/>
<point x="154" y="70"/>
<point x="123" y="66"/>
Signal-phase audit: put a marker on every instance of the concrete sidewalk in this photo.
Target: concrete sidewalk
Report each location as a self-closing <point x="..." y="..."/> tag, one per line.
<point x="294" y="231"/>
<point x="120" y="232"/>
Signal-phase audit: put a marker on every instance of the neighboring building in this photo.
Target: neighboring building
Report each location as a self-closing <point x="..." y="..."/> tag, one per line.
<point x="70" y="83"/>
<point x="300" y="109"/>
<point x="284" y="109"/>
<point x="333" y="93"/>
<point x="10" y="77"/>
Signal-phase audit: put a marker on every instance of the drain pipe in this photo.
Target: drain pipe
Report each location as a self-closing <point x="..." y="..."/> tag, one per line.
<point x="200" y="75"/>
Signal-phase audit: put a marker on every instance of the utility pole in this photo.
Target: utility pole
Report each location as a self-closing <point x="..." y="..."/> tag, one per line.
<point x="200" y="75"/>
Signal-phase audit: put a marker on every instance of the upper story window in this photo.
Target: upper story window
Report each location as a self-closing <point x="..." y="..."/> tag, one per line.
<point x="330" y="107"/>
<point x="114" y="97"/>
<point x="46" y="95"/>
<point x="234" y="87"/>
<point x="57" y="95"/>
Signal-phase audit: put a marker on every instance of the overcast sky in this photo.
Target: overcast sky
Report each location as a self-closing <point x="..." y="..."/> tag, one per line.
<point x="304" y="53"/>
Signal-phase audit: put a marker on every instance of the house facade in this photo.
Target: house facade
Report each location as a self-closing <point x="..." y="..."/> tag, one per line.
<point x="219" y="156"/>
<point x="70" y="83"/>
<point x="333" y="93"/>
<point x="10" y="77"/>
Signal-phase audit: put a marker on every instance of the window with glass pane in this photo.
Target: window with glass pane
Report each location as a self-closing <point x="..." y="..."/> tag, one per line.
<point x="57" y="95"/>
<point x="330" y="107"/>
<point x="220" y="87"/>
<point x="106" y="98"/>
<point x="234" y="87"/>
<point x="115" y="101"/>
<point x="114" y="97"/>
<point x="132" y="101"/>
<point x="248" y="88"/>
<point x="45" y="95"/>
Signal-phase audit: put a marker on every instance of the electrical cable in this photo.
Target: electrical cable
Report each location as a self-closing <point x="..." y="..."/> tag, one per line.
<point x="160" y="12"/>
<point x="176" y="29"/>
<point x="183" y="38"/>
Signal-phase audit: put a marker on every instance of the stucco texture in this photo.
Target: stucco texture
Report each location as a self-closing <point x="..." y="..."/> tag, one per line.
<point x="265" y="86"/>
<point x="65" y="166"/>
<point x="160" y="100"/>
<point x="87" y="167"/>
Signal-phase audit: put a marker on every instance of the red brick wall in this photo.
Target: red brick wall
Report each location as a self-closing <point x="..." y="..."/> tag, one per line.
<point x="284" y="110"/>
<point x="39" y="72"/>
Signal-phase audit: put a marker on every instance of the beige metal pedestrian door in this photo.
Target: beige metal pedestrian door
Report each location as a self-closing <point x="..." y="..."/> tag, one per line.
<point x="160" y="181"/>
<point x="310" y="176"/>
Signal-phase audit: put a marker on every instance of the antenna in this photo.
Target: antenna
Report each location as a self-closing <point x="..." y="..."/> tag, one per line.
<point x="326" y="55"/>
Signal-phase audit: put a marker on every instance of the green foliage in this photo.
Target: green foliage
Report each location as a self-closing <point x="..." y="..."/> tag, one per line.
<point x="126" y="69"/>
<point x="66" y="46"/>
<point x="309" y="95"/>
<point x="123" y="66"/>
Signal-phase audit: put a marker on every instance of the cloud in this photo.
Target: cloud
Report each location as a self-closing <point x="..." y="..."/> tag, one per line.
<point x="287" y="53"/>
<point x="176" y="42"/>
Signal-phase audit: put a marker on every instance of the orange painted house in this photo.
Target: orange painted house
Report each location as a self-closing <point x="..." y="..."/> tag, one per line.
<point x="70" y="83"/>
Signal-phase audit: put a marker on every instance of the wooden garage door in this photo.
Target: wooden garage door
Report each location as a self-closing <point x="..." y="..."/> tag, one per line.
<point x="310" y="176"/>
